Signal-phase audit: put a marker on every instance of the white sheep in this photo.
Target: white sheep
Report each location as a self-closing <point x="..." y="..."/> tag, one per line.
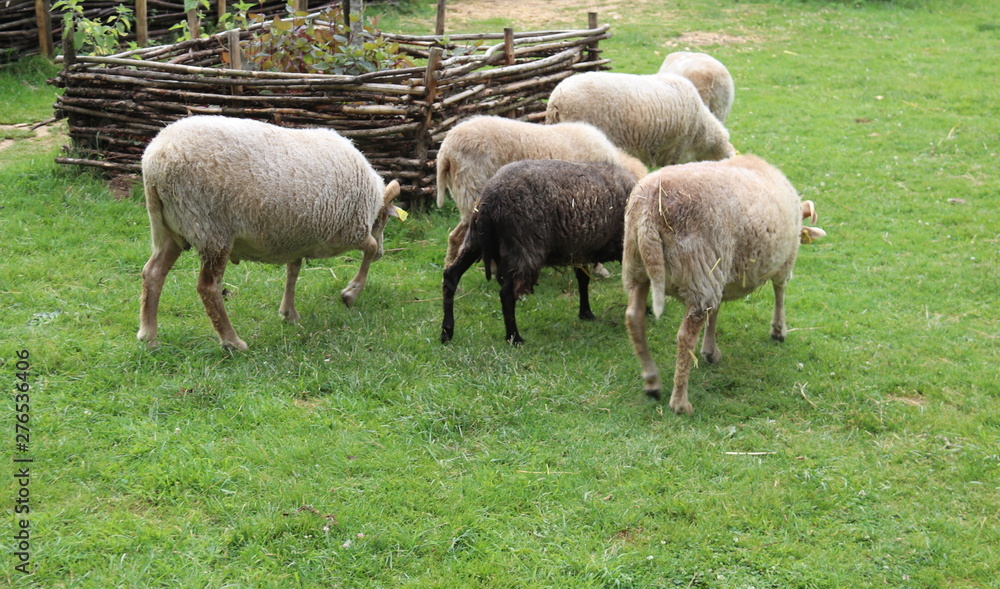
<point x="705" y="233"/>
<point x="709" y="76"/>
<point x="475" y="149"/>
<point x="658" y="118"/>
<point x="238" y="189"/>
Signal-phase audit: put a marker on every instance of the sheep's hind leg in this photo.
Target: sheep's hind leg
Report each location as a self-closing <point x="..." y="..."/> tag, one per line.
<point x="778" y="330"/>
<point x="687" y="337"/>
<point x="153" y="274"/>
<point x="583" y="280"/>
<point x="635" y="321"/>
<point x="449" y="284"/>
<point x="709" y="349"/>
<point x="213" y="266"/>
<point x="287" y="307"/>
<point x="455" y="239"/>
<point x="507" y="302"/>
<point x="350" y="294"/>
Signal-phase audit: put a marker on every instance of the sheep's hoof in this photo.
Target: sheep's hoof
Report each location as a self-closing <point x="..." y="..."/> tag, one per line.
<point x="235" y="345"/>
<point x="515" y="339"/>
<point x="712" y="357"/>
<point x="681" y="407"/>
<point x="446" y="335"/>
<point x="587" y="315"/>
<point x="777" y="336"/>
<point x="146" y="336"/>
<point x="653" y="394"/>
<point x="290" y="316"/>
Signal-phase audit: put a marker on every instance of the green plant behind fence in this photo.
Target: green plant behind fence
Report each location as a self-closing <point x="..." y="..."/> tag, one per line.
<point x="95" y="36"/>
<point x="301" y="42"/>
<point x="321" y="44"/>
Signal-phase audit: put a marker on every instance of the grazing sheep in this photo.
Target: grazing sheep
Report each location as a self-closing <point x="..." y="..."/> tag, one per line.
<point x="537" y="213"/>
<point x="475" y="149"/>
<point x="706" y="233"/>
<point x="659" y="119"/>
<point x="238" y="189"/>
<point x="709" y="76"/>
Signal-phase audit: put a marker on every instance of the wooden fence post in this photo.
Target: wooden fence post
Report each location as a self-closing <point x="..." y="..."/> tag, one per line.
<point x="439" y="23"/>
<point x="194" y="23"/>
<point x="69" y="60"/>
<point x="431" y="81"/>
<point x="593" y="53"/>
<point x="358" y="8"/>
<point x="235" y="55"/>
<point x="141" y="23"/>
<point x="68" y="47"/>
<point x="44" y="20"/>
<point x="424" y="138"/>
<point x="508" y="45"/>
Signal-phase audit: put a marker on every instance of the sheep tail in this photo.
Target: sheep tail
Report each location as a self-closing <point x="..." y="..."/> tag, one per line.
<point x="444" y="169"/>
<point x="651" y="251"/>
<point x="159" y="233"/>
<point x="552" y="113"/>
<point x="483" y="230"/>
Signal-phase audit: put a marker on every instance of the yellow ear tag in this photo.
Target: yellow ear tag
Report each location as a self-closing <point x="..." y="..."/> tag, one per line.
<point x="401" y="213"/>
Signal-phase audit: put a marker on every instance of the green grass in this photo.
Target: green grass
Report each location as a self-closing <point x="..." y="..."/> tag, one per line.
<point x="26" y="98"/>
<point x="354" y="450"/>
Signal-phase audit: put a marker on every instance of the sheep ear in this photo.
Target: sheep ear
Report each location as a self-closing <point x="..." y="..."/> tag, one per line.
<point x="809" y="211"/>
<point x="397" y="212"/>
<point x="810" y="234"/>
<point x="391" y="192"/>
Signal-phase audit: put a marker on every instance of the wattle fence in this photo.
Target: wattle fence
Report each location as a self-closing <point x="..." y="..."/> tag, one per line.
<point x="397" y="118"/>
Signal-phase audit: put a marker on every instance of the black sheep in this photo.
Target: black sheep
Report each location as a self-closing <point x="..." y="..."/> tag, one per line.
<point x="537" y="213"/>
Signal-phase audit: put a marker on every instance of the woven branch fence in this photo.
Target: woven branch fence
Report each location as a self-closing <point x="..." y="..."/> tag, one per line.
<point x="397" y="118"/>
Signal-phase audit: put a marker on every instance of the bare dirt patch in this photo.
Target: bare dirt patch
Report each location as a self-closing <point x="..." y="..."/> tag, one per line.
<point x="700" y="38"/>
<point x="121" y="186"/>
<point x="548" y="14"/>
<point x="42" y="131"/>
<point x="16" y="130"/>
<point x="532" y="14"/>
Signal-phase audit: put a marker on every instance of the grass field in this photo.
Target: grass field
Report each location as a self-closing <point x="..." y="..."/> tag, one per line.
<point x="354" y="450"/>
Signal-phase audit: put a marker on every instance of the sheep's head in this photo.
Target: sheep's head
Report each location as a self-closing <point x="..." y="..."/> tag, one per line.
<point x="715" y="151"/>
<point x="727" y="151"/>
<point x="388" y="210"/>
